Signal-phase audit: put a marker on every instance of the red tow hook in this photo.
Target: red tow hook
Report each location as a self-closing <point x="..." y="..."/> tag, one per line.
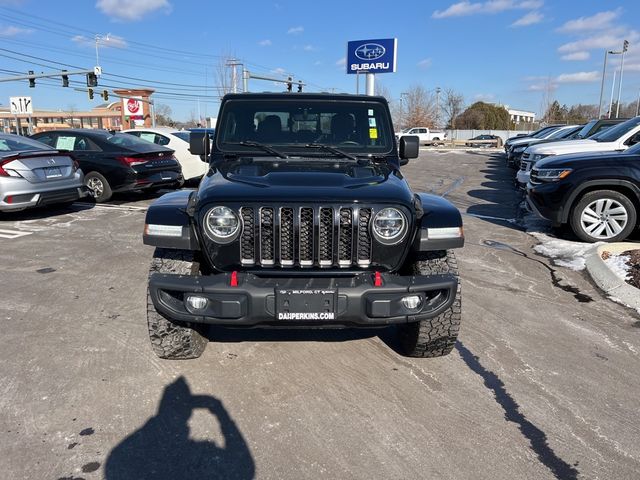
<point x="234" y="279"/>
<point x="377" y="280"/>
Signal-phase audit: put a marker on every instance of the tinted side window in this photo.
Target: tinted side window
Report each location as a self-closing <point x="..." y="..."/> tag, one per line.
<point x="85" y="144"/>
<point x="48" y="138"/>
<point x="161" y="140"/>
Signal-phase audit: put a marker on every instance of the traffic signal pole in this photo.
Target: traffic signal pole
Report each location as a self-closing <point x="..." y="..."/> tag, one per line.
<point x="63" y="73"/>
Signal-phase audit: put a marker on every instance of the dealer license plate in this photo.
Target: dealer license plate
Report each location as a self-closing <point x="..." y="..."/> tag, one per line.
<point x="308" y="304"/>
<point x="52" y="172"/>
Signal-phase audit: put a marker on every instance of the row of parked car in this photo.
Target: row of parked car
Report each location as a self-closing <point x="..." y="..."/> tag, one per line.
<point x="62" y="166"/>
<point x="584" y="176"/>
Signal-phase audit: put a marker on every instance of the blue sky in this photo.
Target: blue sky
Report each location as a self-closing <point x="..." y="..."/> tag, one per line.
<point x="505" y="51"/>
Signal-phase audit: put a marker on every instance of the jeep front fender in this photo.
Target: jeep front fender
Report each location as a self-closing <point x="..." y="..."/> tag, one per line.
<point x="439" y="227"/>
<point x="168" y="224"/>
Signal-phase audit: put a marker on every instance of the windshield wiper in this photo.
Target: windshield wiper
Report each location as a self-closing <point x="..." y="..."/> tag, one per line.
<point x="259" y="145"/>
<point x="336" y="151"/>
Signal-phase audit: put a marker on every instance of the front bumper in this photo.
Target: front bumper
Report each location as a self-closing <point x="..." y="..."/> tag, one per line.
<point x="549" y="200"/>
<point x="358" y="302"/>
<point x="523" y="177"/>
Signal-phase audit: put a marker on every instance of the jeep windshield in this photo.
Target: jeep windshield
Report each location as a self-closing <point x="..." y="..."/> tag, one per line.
<point x="305" y="127"/>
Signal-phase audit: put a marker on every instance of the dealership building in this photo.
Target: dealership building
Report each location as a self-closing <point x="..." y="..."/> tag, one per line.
<point x="106" y="115"/>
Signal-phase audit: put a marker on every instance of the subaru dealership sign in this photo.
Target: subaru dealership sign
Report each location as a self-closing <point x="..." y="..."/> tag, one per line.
<point x="373" y="56"/>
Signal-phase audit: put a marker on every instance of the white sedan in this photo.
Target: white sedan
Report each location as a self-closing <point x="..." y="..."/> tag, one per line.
<point x="193" y="167"/>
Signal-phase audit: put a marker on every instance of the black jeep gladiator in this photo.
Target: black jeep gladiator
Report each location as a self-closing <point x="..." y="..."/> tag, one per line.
<point x="304" y="219"/>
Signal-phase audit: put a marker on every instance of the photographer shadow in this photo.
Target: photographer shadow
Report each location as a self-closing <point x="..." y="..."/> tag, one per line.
<point x="162" y="449"/>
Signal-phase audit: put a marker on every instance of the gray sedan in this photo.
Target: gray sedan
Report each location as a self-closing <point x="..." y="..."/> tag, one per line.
<point x="34" y="174"/>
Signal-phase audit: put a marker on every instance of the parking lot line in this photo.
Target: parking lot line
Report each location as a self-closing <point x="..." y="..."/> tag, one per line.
<point x="11" y="234"/>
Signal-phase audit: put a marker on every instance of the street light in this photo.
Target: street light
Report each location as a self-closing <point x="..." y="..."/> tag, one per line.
<point x="625" y="47"/>
<point x="604" y="69"/>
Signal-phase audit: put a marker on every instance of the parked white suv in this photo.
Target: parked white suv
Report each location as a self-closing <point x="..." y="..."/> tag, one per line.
<point x="619" y="137"/>
<point x="424" y="134"/>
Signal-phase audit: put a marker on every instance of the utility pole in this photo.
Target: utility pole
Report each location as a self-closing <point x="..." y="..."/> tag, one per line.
<point x="233" y="63"/>
<point x="604" y="69"/>
<point x="613" y="88"/>
<point x="625" y="47"/>
<point x="438" y="90"/>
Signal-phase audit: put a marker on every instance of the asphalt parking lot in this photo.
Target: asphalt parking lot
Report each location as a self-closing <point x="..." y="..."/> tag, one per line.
<point x="544" y="382"/>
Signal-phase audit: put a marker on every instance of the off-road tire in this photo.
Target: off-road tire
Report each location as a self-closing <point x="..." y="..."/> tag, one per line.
<point x="171" y="339"/>
<point x="437" y="336"/>
<point x="589" y="198"/>
<point x="106" y="193"/>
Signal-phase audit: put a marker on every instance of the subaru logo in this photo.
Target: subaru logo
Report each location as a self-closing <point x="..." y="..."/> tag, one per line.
<point x="370" y="51"/>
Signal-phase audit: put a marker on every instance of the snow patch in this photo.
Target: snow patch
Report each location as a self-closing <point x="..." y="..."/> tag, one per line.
<point x="618" y="265"/>
<point x="564" y="253"/>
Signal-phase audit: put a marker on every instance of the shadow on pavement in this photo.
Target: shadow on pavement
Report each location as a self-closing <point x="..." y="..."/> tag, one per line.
<point x="162" y="449"/>
<point x="38" y="213"/>
<point x="536" y="437"/>
<point x="282" y="334"/>
<point x="500" y="198"/>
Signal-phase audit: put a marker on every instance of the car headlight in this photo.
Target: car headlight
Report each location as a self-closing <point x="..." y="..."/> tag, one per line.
<point x="520" y="149"/>
<point x="389" y="226"/>
<point x="553" y="174"/>
<point x="538" y="156"/>
<point x="222" y="225"/>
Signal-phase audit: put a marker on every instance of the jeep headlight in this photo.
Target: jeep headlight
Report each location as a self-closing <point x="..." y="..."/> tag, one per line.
<point x="552" y="174"/>
<point x="389" y="226"/>
<point x="538" y="156"/>
<point x="222" y="225"/>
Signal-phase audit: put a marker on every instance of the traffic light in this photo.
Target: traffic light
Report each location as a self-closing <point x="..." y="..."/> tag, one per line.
<point x="625" y="46"/>
<point x="105" y="95"/>
<point x="90" y="92"/>
<point x="32" y="81"/>
<point x="289" y="84"/>
<point x="65" y="80"/>
<point x="92" y="80"/>
<point x="299" y="87"/>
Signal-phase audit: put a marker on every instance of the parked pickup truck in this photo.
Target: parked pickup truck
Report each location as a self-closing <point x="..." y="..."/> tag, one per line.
<point x="424" y="134"/>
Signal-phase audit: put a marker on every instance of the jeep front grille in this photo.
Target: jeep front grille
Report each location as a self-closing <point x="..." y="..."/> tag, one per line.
<point x="306" y="236"/>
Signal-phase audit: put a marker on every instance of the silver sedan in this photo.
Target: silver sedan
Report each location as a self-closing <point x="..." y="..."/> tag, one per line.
<point x="33" y="174"/>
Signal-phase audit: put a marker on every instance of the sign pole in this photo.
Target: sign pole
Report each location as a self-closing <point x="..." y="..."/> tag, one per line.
<point x="371" y="83"/>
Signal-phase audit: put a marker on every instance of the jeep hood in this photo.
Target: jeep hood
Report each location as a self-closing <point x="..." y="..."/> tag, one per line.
<point x="305" y="181"/>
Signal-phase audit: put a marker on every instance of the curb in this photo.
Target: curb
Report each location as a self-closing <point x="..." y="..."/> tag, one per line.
<point x="608" y="281"/>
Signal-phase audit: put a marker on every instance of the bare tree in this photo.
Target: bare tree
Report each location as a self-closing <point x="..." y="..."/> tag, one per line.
<point x="394" y="106"/>
<point x="547" y="97"/>
<point x="163" y="114"/>
<point x="418" y="107"/>
<point x="71" y="114"/>
<point x="453" y="106"/>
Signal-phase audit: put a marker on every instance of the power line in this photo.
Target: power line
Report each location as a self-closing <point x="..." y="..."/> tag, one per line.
<point x="148" y="81"/>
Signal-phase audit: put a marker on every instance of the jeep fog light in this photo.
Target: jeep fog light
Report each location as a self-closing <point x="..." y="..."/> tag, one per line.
<point x="412" y="302"/>
<point x="196" y="302"/>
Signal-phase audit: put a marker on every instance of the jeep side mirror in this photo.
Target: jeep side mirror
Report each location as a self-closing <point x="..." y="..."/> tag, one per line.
<point x="199" y="144"/>
<point x="409" y="148"/>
